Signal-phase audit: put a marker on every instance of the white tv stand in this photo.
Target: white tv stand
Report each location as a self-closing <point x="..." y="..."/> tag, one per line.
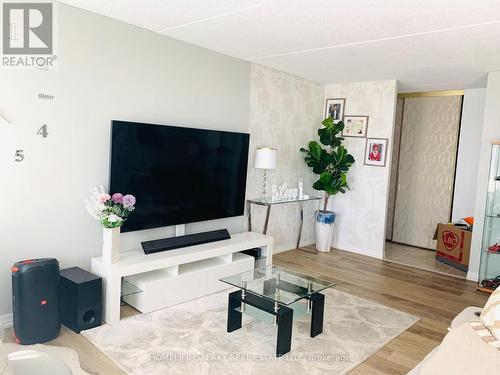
<point x="189" y="272"/>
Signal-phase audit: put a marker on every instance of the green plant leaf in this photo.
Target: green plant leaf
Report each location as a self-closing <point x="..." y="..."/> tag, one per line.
<point x="327" y="122"/>
<point x="340" y="126"/>
<point x="317" y="185"/>
<point x="349" y="159"/>
<point x="344" y="179"/>
<point x="326" y="178"/>
<point x="315" y="149"/>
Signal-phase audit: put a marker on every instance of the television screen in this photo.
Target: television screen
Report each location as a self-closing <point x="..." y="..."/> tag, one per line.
<point x="178" y="175"/>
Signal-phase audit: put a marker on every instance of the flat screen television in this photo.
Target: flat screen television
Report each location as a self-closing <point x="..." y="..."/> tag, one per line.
<point x="178" y="175"/>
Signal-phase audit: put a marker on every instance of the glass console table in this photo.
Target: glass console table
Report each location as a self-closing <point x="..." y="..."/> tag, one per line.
<point x="268" y="203"/>
<point x="274" y="292"/>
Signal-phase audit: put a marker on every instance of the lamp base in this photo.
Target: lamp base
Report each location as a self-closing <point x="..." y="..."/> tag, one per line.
<point x="264" y="186"/>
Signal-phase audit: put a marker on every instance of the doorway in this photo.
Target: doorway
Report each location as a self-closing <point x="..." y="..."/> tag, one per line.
<point x="423" y="171"/>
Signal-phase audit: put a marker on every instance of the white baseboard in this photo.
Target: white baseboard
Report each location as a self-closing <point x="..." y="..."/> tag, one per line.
<point x="7" y="320"/>
<point x="473" y="276"/>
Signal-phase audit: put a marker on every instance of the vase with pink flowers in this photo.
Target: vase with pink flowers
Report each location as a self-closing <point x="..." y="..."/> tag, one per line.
<point x="111" y="211"/>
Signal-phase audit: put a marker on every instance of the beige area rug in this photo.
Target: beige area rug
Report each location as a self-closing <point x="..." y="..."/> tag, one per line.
<point x="68" y="356"/>
<point x="191" y="338"/>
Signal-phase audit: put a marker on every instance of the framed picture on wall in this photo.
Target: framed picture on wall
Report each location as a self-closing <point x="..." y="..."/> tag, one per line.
<point x="376" y="151"/>
<point x="334" y="108"/>
<point x="355" y="126"/>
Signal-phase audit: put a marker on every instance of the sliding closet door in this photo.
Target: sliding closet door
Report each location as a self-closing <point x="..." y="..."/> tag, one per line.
<point x="426" y="168"/>
<point x="394" y="169"/>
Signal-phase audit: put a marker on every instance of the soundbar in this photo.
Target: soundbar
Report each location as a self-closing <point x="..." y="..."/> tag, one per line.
<point x="165" y="244"/>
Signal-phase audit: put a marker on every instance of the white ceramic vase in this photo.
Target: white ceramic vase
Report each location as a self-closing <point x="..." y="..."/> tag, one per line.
<point x="324" y="230"/>
<point x="110" y="245"/>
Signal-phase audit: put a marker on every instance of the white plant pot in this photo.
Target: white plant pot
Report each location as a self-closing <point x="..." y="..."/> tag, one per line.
<point x="324" y="230"/>
<point x="110" y="245"/>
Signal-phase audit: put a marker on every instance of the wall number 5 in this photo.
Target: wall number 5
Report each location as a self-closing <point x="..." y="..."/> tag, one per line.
<point x="43" y="131"/>
<point x="19" y="155"/>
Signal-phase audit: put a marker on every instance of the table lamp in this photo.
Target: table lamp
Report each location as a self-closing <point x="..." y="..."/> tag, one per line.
<point x="265" y="158"/>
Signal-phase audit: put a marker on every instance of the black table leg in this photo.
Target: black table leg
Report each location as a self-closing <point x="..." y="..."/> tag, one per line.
<point x="233" y="316"/>
<point x="317" y="314"/>
<point x="285" y="324"/>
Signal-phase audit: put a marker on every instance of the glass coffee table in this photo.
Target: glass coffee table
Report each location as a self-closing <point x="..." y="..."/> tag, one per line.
<point x="277" y="292"/>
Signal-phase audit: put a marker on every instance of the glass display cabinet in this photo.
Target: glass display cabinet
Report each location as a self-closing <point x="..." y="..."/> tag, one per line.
<point x="489" y="270"/>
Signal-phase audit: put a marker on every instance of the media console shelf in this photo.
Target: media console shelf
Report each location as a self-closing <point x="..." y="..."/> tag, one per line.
<point x="175" y="276"/>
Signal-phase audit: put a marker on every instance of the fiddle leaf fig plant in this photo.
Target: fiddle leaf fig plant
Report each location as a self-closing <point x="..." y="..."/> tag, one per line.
<point x="332" y="162"/>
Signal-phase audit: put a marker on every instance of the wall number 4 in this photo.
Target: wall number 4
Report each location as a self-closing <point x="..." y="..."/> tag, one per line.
<point x="19" y="156"/>
<point x="43" y="131"/>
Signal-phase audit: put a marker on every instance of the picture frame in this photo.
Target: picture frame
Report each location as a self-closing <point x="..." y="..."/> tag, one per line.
<point x="376" y="151"/>
<point x="355" y="126"/>
<point x="334" y="108"/>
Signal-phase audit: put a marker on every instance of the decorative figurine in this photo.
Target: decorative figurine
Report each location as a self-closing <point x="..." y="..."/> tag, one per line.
<point x="282" y="190"/>
<point x="291" y="194"/>
<point x="275" y="194"/>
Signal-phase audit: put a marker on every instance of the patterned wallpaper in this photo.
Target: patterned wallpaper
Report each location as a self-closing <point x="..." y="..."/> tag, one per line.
<point x="361" y="212"/>
<point x="285" y="111"/>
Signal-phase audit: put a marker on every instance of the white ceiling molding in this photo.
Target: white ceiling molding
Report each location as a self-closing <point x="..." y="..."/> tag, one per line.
<point x="425" y="44"/>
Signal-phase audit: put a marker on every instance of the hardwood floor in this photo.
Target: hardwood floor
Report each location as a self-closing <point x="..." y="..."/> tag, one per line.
<point x="435" y="298"/>
<point x="420" y="258"/>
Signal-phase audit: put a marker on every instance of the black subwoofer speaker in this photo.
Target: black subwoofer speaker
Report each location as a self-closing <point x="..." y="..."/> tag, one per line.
<point x="35" y="294"/>
<point x="80" y="299"/>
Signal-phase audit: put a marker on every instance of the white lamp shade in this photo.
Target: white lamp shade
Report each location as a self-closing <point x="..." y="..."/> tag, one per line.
<point x="266" y="158"/>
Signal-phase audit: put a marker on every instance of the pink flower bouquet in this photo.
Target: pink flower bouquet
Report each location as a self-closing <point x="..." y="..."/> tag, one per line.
<point x="110" y="210"/>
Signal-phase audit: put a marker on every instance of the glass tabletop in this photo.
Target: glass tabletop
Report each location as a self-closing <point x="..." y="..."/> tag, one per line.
<point x="277" y="284"/>
<point x="270" y="201"/>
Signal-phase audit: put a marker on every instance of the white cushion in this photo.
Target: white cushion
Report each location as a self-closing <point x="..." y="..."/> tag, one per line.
<point x="490" y="316"/>
<point x="467" y="315"/>
<point x="463" y="352"/>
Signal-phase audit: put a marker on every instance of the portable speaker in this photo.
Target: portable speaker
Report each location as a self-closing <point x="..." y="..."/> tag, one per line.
<point x="35" y="293"/>
<point x="80" y="299"/>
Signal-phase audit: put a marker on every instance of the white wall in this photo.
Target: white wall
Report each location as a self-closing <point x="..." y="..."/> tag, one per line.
<point x="468" y="156"/>
<point x="285" y="112"/>
<point x="361" y="213"/>
<point x="490" y="132"/>
<point x="107" y="70"/>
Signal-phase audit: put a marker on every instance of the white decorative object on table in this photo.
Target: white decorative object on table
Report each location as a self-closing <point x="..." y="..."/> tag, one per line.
<point x="275" y="195"/>
<point x="111" y="211"/>
<point x="301" y="188"/>
<point x="265" y="158"/>
<point x="281" y="190"/>
<point x="291" y="194"/>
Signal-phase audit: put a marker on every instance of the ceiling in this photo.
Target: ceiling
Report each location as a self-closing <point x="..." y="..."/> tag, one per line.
<point x="425" y="44"/>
